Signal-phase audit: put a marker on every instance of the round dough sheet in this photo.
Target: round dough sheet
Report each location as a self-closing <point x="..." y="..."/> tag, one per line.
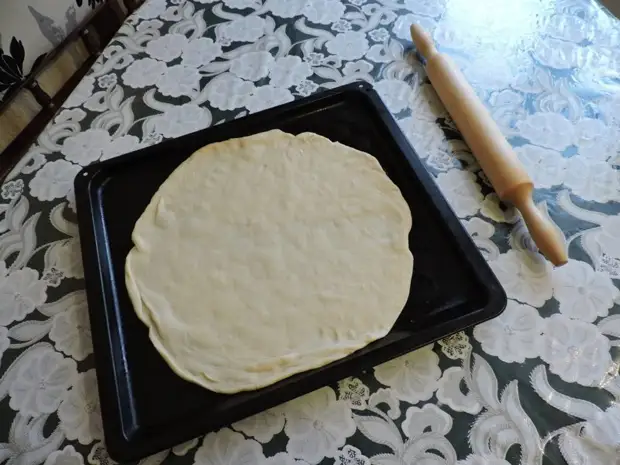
<point x="269" y="255"/>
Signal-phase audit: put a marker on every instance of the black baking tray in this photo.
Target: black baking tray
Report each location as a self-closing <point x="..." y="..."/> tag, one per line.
<point x="145" y="406"/>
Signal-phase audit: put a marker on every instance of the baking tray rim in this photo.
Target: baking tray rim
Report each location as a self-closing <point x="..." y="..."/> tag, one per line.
<point x="120" y="441"/>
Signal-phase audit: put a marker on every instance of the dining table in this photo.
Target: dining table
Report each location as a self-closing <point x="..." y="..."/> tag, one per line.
<point x="539" y="384"/>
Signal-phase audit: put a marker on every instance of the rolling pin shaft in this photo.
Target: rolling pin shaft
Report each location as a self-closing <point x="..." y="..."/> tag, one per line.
<point x="493" y="152"/>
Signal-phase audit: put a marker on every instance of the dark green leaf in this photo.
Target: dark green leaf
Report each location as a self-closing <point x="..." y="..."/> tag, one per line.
<point x="17" y="52"/>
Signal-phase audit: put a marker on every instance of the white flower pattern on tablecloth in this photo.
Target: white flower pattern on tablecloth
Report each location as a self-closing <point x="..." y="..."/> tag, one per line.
<point x="97" y="102"/>
<point x="98" y="455"/>
<point x="52" y="277"/>
<point x="167" y="47"/>
<point x="252" y="66"/>
<point x="341" y="25"/>
<point x="315" y="59"/>
<point x="151" y="138"/>
<point x="144" y="72"/>
<point x="66" y="257"/>
<point x="576" y="351"/>
<point x="412" y="377"/>
<point x="354" y="392"/>
<point x="178" y="80"/>
<point x="71" y="330"/>
<point x="462" y="191"/>
<point x="577" y="449"/>
<point x="608" y="237"/>
<point x="106" y="81"/>
<point x="394" y="92"/>
<point x="41" y="385"/>
<point x="241" y="4"/>
<point x="568" y="27"/>
<point x="596" y="442"/>
<point x="80" y="413"/>
<point x="268" y="96"/>
<point x="481" y="233"/>
<point x="248" y="29"/>
<point x="262" y="426"/>
<point x="605" y="428"/>
<point x="558" y="54"/>
<point x="350" y="45"/>
<point x="4" y="341"/>
<point x="514" y="335"/>
<point x="583" y="293"/>
<point x="425" y="136"/>
<point x="357" y="67"/>
<point x="35" y="158"/>
<point x="546" y="167"/>
<point x="227" y="92"/>
<point x="178" y="66"/>
<point x="429" y="418"/>
<point x="21" y="291"/>
<point x="350" y="455"/>
<point x="595" y="140"/>
<point x="317" y="425"/>
<point x="86" y="147"/>
<point x="67" y="456"/>
<point x="379" y="35"/>
<point x="283" y="458"/>
<point x="482" y="460"/>
<point x="12" y="189"/>
<point x="596" y="181"/>
<point x="227" y="446"/>
<point x="151" y="9"/>
<point x="285" y="8"/>
<point x="119" y="146"/>
<point x="323" y="11"/>
<point x="54" y="180"/>
<point x="449" y="392"/>
<point x="433" y="8"/>
<point x="456" y="346"/>
<point x="549" y="130"/>
<point x="524" y="278"/>
<point x="306" y="88"/>
<point x="74" y="114"/>
<point x="289" y="71"/>
<point x="200" y="52"/>
<point x="388" y="16"/>
<point x="150" y="24"/>
<point x="81" y="93"/>
<point x="179" y="120"/>
<point x="173" y="13"/>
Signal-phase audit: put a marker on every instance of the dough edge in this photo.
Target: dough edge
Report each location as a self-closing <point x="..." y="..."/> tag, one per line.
<point x="143" y="311"/>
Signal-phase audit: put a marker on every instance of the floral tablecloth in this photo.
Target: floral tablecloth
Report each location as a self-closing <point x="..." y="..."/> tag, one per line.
<point x="538" y="385"/>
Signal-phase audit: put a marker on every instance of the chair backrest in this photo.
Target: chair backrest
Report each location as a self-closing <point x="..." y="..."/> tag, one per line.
<point x="29" y="30"/>
<point x="46" y="47"/>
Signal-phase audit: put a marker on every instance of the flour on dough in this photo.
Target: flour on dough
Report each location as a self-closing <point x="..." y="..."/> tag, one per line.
<point x="269" y="255"/>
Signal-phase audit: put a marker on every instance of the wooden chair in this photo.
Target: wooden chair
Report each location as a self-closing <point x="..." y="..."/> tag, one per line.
<point x="90" y="36"/>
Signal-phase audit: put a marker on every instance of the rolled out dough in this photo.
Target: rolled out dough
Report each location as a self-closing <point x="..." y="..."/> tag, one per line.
<point x="268" y="255"/>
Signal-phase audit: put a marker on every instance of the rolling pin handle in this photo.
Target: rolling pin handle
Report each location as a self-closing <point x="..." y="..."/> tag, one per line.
<point x="549" y="241"/>
<point x="422" y="41"/>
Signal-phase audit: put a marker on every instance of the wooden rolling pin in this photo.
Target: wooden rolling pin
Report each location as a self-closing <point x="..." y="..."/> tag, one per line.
<point x="489" y="146"/>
